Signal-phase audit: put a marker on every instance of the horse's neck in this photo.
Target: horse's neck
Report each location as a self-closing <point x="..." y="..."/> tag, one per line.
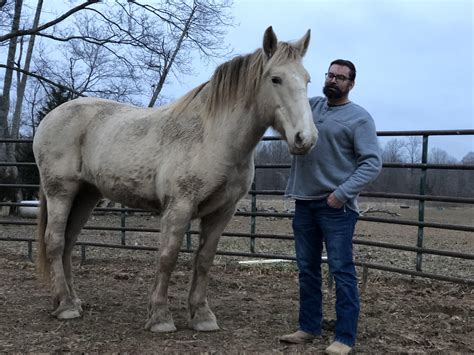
<point x="238" y="133"/>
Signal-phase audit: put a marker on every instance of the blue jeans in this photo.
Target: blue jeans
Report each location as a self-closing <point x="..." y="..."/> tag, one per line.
<point x="314" y="223"/>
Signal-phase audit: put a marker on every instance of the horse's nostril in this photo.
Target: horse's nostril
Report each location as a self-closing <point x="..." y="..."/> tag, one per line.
<point x="298" y="139"/>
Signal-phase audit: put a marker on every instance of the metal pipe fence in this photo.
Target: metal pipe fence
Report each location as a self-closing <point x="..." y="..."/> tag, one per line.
<point x="253" y="215"/>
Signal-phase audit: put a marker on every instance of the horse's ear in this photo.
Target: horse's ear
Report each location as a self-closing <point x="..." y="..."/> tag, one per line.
<point x="303" y="43"/>
<point x="270" y="42"/>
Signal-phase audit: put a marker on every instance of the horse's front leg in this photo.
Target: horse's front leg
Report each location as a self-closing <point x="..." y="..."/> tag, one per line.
<point x="201" y="317"/>
<point x="173" y="227"/>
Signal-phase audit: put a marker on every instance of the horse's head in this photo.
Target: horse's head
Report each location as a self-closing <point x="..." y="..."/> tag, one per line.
<point x="284" y="90"/>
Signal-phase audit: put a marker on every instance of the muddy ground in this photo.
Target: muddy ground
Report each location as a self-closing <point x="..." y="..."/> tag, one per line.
<point x="254" y="304"/>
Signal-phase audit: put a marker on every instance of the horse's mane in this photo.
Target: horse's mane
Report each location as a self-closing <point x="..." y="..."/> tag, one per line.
<point x="237" y="79"/>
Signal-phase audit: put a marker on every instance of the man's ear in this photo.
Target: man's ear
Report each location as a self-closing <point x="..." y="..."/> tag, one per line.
<point x="270" y="42"/>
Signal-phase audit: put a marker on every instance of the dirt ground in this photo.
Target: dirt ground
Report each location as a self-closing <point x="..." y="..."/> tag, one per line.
<point x="254" y="304"/>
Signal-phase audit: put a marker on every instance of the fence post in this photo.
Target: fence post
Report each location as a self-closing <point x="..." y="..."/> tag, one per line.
<point x="122" y="223"/>
<point x="188" y="238"/>
<point x="253" y="219"/>
<point x="421" y="203"/>
<point x="83" y="254"/>
<point x="30" y="250"/>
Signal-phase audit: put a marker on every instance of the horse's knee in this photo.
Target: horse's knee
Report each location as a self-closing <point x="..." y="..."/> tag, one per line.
<point x="54" y="245"/>
<point x="202" y="267"/>
<point x="204" y="261"/>
<point x="166" y="263"/>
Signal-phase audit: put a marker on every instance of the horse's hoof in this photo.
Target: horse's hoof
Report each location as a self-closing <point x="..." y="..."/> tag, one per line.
<point x="67" y="310"/>
<point x="203" y="320"/>
<point x="160" y="320"/>
<point x="67" y="314"/>
<point x="161" y="327"/>
<point x="205" y="326"/>
<point x="78" y="304"/>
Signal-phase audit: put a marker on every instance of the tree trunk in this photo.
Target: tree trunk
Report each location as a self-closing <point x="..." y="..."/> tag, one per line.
<point x="8" y="174"/>
<point x="16" y="122"/>
<point x="167" y="67"/>
<point x="7" y="83"/>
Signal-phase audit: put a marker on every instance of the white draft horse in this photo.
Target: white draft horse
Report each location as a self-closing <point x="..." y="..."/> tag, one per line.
<point x="192" y="159"/>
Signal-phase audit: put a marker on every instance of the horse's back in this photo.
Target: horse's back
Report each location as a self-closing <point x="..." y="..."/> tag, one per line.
<point x="73" y="117"/>
<point x="112" y="146"/>
<point x="61" y="138"/>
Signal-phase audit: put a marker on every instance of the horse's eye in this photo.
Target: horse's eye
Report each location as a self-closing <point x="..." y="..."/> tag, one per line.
<point x="276" y="80"/>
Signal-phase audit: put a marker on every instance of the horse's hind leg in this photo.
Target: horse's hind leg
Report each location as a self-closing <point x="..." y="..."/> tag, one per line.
<point x="201" y="317"/>
<point x="84" y="202"/>
<point x="173" y="226"/>
<point x="58" y="212"/>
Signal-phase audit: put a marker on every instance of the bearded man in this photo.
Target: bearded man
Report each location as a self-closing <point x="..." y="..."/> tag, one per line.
<point x="325" y="184"/>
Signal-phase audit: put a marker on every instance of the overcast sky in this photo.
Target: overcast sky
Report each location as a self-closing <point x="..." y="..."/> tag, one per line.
<point x="414" y="58"/>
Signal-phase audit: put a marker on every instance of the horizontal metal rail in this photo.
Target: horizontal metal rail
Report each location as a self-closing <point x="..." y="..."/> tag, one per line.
<point x="429" y="166"/>
<point x="400" y="196"/>
<point x="433" y="198"/>
<point x="437" y="132"/>
<point x="449" y="132"/>
<point x="11" y="140"/>
<point x="388" y="165"/>
<point x="454" y="254"/>
<point x="405" y="222"/>
<point x="20" y="186"/>
<point x="269" y="236"/>
<point x="21" y="163"/>
<point x="460" y="280"/>
<point x="287" y="166"/>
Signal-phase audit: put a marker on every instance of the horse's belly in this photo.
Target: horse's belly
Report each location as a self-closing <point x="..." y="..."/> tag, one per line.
<point x="135" y="193"/>
<point x="133" y="200"/>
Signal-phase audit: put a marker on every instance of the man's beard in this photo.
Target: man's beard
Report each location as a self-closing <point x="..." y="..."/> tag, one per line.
<point x="333" y="92"/>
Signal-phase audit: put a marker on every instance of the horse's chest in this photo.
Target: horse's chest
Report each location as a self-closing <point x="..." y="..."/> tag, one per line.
<point x="229" y="192"/>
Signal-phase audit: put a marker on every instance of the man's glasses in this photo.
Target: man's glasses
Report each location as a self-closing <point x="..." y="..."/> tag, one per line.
<point x="341" y="78"/>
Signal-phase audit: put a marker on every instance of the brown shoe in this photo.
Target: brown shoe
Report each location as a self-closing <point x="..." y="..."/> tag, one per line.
<point x="298" y="337"/>
<point x="338" y="348"/>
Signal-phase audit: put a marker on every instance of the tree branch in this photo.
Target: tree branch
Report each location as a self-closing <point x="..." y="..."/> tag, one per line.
<point x="42" y="78"/>
<point x="48" y="24"/>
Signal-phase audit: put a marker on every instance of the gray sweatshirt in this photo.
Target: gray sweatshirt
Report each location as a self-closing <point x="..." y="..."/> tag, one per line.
<point x="345" y="159"/>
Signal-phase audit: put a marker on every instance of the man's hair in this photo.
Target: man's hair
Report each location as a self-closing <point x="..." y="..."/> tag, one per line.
<point x="346" y="63"/>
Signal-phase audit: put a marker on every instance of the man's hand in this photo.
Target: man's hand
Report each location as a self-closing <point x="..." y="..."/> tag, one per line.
<point x="334" y="202"/>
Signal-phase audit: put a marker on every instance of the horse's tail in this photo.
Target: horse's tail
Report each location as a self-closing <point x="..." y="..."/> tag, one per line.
<point x="42" y="262"/>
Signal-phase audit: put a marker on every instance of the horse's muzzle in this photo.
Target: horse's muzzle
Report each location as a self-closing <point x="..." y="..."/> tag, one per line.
<point x="303" y="143"/>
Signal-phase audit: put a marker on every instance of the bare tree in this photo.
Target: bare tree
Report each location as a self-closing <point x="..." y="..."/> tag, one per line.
<point x="6" y="14"/>
<point x="468" y="159"/>
<point x="413" y="149"/>
<point x="272" y="152"/>
<point x="8" y="173"/>
<point x="16" y="32"/>
<point x="440" y="156"/>
<point x="7" y="82"/>
<point x="88" y="68"/>
<point x="22" y="79"/>
<point x="33" y="98"/>
<point x="393" y="151"/>
<point x="135" y="47"/>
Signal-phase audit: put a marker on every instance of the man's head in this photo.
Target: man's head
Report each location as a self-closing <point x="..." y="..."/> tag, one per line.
<point x="340" y="79"/>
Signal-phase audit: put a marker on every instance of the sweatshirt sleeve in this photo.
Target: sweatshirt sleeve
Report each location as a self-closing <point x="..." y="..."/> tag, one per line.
<point x="369" y="161"/>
